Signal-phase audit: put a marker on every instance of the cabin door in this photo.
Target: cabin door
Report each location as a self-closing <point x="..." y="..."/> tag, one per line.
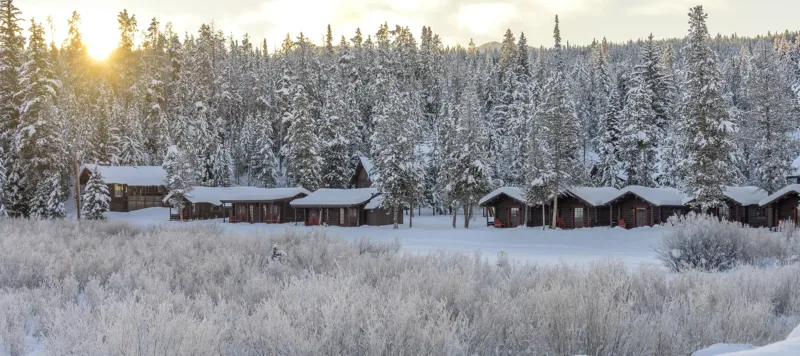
<point x="513" y="216"/>
<point x="577" y="217"/>
<point x="641" y="216"/>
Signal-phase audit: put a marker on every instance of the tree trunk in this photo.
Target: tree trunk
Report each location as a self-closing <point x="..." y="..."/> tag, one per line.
<point x="555" y="211"/>
<point x="526" y="215"/>
<point x="454" y="213"/>
<point x="395" y="216"/>
<point x="411" y="215"/>
<point x="544" y="217"/>
<point x="468" y="216"/>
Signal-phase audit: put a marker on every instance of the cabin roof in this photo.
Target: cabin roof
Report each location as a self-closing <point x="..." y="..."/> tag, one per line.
<point x="130" y="175"/>
<point x="793" y="188"/>
<point x="655" y="196"/>
<point x="511" y="192"/>
<point x="327" y="197"/>
<point x="595" y="196"/>
<point x="219" y="195"/>
<point x="741" y="195"/>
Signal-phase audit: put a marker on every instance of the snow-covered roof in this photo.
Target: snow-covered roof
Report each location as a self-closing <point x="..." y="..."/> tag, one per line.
<point x="130" y="175"/>
<point x="218" y="195"/>
<point x="369" y="167"/>
<point x="511" y="192"/>
<point x="335" y="198"/>
<point x="375" y="203"/>
<point x="594" y="195"/>
<point x="793" y="188"/>
<point x="742" y="195"/>
<point x="655" y="196"/>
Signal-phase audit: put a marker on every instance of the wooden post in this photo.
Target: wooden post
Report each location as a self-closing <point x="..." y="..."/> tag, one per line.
<point x="611" y="214"/>
<point x="77" y="184"/>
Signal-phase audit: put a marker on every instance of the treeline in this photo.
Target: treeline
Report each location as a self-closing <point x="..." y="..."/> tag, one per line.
<point x="442" y="124"/>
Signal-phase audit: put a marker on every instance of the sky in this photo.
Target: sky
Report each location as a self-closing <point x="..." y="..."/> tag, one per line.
<point x="456" y="22"/>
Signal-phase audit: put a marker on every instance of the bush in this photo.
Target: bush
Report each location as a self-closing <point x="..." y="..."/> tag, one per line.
<point x="101" y="289"/>
<point x="704" y="242"/>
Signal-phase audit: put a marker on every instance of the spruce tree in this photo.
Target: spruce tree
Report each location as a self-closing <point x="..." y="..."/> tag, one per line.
<point x="262" y="159"/>
<point x="637" y="141"/>
<point x="706" y="127"/>
<point x="180" y="174"/>
<point x="95" y="199"/>
<point x="303" y="144"/>
<point x="560" y="128"/>
<point x="770" y="108"/>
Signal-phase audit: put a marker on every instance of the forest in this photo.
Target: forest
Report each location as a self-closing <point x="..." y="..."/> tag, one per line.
<point x="442" y="124"/>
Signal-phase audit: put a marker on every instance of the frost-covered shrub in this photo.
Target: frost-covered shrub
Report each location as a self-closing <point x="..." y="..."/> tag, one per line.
<point x="704" y="242"/>
<point x="98" y="288"/>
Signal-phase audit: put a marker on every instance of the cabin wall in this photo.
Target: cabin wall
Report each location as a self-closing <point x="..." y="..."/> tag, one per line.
<point x="503" y="209"/>
<point x="785" y="209"/>
<point x="382" y="217"/>
<point x="625" y="209"/>
<point x="755" y="216"/>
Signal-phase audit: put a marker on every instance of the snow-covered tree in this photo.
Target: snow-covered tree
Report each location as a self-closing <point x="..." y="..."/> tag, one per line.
<point x="303" y="144"/>
<point x="637" y="140"/>
<point x="768" y="120"/>
<point x="706" y="126"/>
<point x="262" y="162"/>
<point x="180" y="173"/>
<point x="95" y="200"/>
<point x="47" y="201"/>
<point x="608" y="147"/>
<point x="560" y="128"/>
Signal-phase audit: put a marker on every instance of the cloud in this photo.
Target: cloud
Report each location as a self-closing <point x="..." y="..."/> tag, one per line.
<point x="485" y="18"/>
<point x="567" y="6"/>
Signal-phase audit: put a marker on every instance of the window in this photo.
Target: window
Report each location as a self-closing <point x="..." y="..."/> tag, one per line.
<point x="513" y="216"/>
<point x="641" y="217"/>
<point x="252" y="212"/>
<point x="578" y="215"/>
<point x="341" y="216"/>
<point x="118" y="191"/>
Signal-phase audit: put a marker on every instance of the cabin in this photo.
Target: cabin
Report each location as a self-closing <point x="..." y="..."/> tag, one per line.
<point x="365" y="174"/>
<point x="345" y="207"/>
<point x="201" y="203"/>
<point x="580" y="207"/>
<point x="263" y="205"/>
<point x="781" y="205"/>
<point x="741" y="205"/>
<point x="505" y="205"/>
<point x="577" y="207"/>
<point x="130" y="187"/>
<point x="638" y="206"/>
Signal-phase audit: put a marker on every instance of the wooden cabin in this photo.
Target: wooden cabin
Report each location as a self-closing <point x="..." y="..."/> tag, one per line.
<point x="585" y="207"/>
<point x="263" y="205"/>
<point x="638" y="206"/>
<point x="741" y="205"/>
<point x="506" y="205"/>
<point x="782" y="205"/>
<point x="130" y="187"/>
<point x="345" y="207"/>
<point x="364" y="176"/>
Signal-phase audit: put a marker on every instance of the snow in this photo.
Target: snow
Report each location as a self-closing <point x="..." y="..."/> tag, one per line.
<point x="216" y="195"/>
<point x="511" y="192"/>
<point x="793" y="188"/>
<point x="131" y="175"/>
<point x="743" y="195"/>
<point x="655" y="196"/>
<point x="795" y="170"/>
<point x="327" y="197"/>
<point x="594" y="196"/>
<point x="375" y="203"/>
<point x="788" y="347"/>
<point x="435" y="233"/>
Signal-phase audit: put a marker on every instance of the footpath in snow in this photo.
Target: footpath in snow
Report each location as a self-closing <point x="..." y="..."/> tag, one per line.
<point x="435" y="233"/>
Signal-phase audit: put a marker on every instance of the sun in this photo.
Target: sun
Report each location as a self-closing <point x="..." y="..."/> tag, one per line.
<point x="100" y="42"/>
<point x="99" y="52"/>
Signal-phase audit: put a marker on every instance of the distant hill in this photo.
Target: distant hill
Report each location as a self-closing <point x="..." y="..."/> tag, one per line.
<point x="489" y="46"/>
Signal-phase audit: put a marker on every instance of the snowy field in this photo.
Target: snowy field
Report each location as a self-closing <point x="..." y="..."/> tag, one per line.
<point x="435" y="233"/>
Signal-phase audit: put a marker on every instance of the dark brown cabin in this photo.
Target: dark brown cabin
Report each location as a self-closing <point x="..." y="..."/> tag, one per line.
<point x="782" y="205"/>
<point x="131" y="187"/>
<point x="741" y="204"/>
<point x="264" y="205"/>
<point x="345" y="207"/>
<point x="638" y="206"/>
<point x="507" y="207"/>
<point x="585" y="207"/>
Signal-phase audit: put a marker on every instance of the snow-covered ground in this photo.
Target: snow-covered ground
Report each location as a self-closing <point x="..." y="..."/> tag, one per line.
<point x="788" y="347"/>
<point x="434" y="233"/>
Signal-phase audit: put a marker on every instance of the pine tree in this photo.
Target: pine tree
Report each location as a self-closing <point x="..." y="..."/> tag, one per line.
<point x="706" y="129"/>
<point x="608" y="147"/>
<point x="47" y="201"/>
<point x="469" y="176"/>
<point x="559" y="127"/>
<point x="262" y="160"/>
<point x="637" y="142"/>
<point x="180" y="174"/>
<point x="95" y="199"/>
<point x="303" y="142"/>
<point x="11" y="57"/>
<point x="771" y="105"/>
